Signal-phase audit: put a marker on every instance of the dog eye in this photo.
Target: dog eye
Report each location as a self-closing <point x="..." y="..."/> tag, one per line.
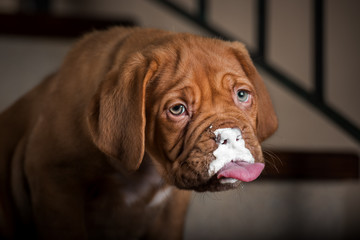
<point x="243" y="96"/>
<point x="177" y="109"/>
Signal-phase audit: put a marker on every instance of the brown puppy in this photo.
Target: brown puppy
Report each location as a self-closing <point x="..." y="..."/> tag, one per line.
<point x="102" y="148"/>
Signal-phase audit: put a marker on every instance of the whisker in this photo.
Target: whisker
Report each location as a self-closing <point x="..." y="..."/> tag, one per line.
<point x="272" y="159"/>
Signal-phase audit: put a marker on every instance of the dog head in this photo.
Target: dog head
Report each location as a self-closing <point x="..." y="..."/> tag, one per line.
<point x="196" y="106"/>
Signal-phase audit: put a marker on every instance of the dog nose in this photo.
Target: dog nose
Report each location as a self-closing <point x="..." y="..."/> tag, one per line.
<point x="228" y="135"/>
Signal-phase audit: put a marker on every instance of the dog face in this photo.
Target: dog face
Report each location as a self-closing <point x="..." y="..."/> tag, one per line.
<point x="197" y="106"/>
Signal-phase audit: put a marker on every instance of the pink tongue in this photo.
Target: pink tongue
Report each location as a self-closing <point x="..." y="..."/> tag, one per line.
<point x="240" y="170"/>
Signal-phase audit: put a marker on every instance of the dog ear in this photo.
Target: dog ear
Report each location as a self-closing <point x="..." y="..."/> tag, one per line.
<point x="267" y="122"/>
<point x="116" y="117"/>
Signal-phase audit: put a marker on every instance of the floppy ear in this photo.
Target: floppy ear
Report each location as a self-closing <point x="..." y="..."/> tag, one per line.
<point x="267" y="122"/>
<point x="116" y="117"/>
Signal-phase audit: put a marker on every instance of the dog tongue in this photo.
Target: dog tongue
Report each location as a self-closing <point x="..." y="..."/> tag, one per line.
<point x="241" y="170"/>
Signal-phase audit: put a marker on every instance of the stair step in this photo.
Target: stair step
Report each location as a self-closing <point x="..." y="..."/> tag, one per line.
<point x="46" y="25"/>
<point x="301" y="165"/>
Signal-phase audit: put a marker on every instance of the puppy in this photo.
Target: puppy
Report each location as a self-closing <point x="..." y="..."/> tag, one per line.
<point x="109" y="145"/>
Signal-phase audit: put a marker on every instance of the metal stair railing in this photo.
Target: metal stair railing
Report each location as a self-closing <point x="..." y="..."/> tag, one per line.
<point x="316" y="97"/>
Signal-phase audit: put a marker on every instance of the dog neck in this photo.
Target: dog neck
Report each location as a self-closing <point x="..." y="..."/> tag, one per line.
<point x="146" y="186"/>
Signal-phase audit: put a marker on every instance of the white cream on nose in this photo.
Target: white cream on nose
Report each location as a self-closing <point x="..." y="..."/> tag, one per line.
<point x="231" y="147"/>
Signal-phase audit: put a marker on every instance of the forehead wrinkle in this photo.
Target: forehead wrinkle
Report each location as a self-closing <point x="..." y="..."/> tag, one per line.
<point x="231" y="74"/>
<point x="219" y="77"/>
<point x="177" y="54"/>
<point x="164" y="81"/>
<point x="211" y="84"/>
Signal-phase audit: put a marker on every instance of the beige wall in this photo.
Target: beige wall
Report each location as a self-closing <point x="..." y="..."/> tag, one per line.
<point x="260" y="209"/>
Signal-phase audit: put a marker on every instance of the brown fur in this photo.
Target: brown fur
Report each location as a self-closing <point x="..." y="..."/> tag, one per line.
<point x="84" y="153"/>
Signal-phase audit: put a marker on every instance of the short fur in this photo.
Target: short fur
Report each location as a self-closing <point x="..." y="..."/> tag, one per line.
<point x="93" y="152"/>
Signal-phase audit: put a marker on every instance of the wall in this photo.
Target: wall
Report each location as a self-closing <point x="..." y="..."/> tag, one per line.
<point x="260" y="209"/>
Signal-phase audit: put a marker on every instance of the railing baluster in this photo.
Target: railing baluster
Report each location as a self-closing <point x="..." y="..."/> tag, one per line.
<point x="202" y="7"/>
<point x="261" y="34"/>
<point x="318" y="49"/>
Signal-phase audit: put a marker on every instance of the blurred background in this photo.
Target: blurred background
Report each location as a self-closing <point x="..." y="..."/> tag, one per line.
<point x="307" y="52"/>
